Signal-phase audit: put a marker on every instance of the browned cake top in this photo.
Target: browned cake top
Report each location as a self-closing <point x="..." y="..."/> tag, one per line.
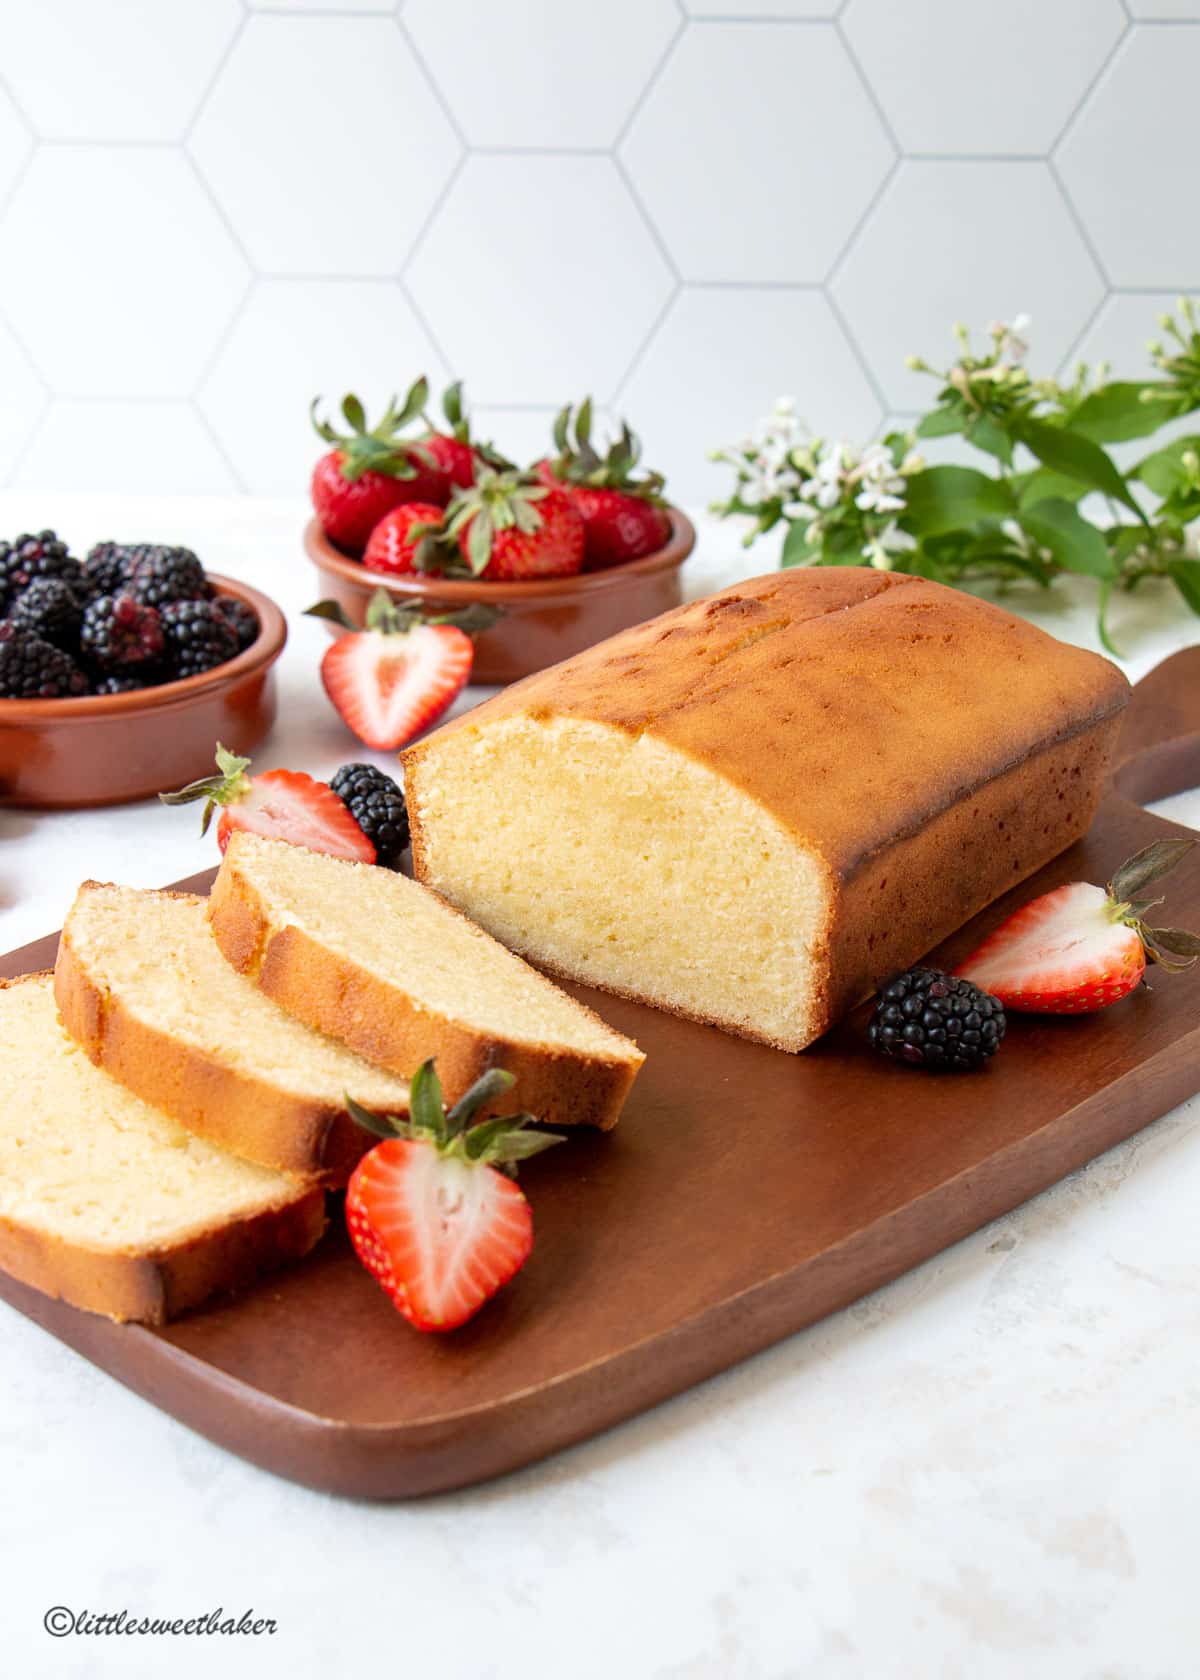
<point x="854" y="705"/>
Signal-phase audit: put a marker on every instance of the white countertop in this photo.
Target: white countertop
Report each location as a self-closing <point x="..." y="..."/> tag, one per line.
<point x="988" y="1470"/>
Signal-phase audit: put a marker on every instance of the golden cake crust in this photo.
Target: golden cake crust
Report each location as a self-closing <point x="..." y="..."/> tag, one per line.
<point x="383" y="1024"/>
<point x="233" y="1108"/>
<point x="151" y="1286"/>
<point x="978" y="744"/>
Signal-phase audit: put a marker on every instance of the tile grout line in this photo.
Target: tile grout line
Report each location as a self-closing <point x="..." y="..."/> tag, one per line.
<point x="223" y="338"/>
<point x="431" y="81"/>
<point x="202" y="103"/>
<point x="652" y="80"/>
<point x="1085" y="98"/>
<point x="1080" y="225"/>
<point x="856" y="351"/>
<point x="210" y="431"/>
<point x="1073" y="350"/>
<point x="435" y="210"/>
<point x="885" y="122"/>
<point x="449" y="370"/>
<point x="868" y="211"/>
<point x="640" y="351"/>
<point x="651" y="226"/>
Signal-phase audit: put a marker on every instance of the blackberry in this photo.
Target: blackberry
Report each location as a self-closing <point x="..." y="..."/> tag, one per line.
<point x="119" y="634"/>
<point x="31" y="669"/>
<point x="159" y="575"/>
<point x="107" y="567"/>
<point x="198" y="636"/>
<point x="934" y="1020"/>
<point x="243" y="618"/>
<point x="120" y="685"/>
<point x="30" y="557"/>
<point x="377" y="806"/>
<point x="51" y="609"/>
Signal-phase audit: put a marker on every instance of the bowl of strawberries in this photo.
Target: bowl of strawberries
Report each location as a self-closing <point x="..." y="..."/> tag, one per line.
<point x="562" y="553"/>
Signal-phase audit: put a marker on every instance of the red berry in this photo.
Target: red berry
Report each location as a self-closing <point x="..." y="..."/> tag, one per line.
<point x="404" y="541"/>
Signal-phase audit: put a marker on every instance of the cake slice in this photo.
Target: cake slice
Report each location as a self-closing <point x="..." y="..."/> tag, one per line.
<point x="752" y="809"/>
<point x="107" y="1203"/>
<point x="143" y="988"/>
<point x="380" y="962"/>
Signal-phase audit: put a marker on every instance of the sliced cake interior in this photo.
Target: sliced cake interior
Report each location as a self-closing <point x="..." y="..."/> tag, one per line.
<point x="386" y="964"/>
<point x="652" y="875"/>
<point x="142" y="985"/>
<point x="107" y="1202"/>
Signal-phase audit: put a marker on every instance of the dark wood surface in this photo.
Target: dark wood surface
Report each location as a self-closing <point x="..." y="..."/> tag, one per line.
<point x="744" y="1194"/>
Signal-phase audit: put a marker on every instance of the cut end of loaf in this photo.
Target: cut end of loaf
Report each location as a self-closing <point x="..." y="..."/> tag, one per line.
<point x="627" y="860"/>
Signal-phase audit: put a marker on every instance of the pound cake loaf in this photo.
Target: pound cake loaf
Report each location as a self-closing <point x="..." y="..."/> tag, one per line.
<point x="382" y="963"/>
<point x="754" y="808"/>
<point x="107" y="1203"/>
<point x="143" y="988"/>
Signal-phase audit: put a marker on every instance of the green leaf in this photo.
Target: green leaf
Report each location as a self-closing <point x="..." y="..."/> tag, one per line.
<point x="486" y="1089"/>
<point x="1078" y="457"/>
<point x="941" y="422"/>
<point x="947" y="498"/>
<point x="379" y="1125"/>
<point x="985" y="434"/>
<point x="1041" y="484"/>
<point x="796" y="547"/>
<point x="1106" y="641"/>
<point x="1074" y="541"/>
<point x="356" y="418"/>
<point x="334" y="611"/>
<point x="1185" y="574"/>
<point x="1115" y="413"/>
<point x="1150" y="864"/>
<point x="425" y="1106"/>
<point x="1164" y="471"/>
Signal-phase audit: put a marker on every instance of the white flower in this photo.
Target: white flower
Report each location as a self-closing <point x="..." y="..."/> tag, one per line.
<point x="1012" y="344"/>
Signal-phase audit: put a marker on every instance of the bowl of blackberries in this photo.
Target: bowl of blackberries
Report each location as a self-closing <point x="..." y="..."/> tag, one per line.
<point x="119" y="670"/>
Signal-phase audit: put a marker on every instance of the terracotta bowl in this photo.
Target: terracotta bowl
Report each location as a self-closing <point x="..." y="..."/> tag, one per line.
<point x="107" y="749"/>
<point x="542" y="621"/>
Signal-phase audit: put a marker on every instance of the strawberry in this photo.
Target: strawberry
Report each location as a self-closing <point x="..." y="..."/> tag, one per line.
<point x="455" y="451"/>
<point x="282" y="804"/>
<point x="405" y="541"/>
<point x="395" y="677"/>
<point x="432" y="1211"/>
<point x="624" y="516"/>
<point x="369" y="472"/>
<point x="510" y="528"/>
<point x="1081" y="947"/>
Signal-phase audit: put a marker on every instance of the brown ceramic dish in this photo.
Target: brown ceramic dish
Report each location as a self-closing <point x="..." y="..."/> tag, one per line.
<point x="106" y="749"/>
<point x="542" y="621"/>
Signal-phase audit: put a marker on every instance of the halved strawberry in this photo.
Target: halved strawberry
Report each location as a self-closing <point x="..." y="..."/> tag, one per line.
<point x="432" y="1212"/>
<point x="1082" y="947"/>
<point x="394" y="678"/>
<point x="282" y="804"/>
<point x="623" y="512"/>
<point x="371" y="470"/>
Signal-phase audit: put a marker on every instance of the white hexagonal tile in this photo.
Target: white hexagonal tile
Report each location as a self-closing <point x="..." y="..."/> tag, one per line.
<point x="1122" y="331"/>
<point x="539" y="278"/>
<point x="1164" y="10"/>
<point x="323" y="5"/>
<point x="523" y="434"/>
<point x="718" y="362"/>
<point x="297" y="339"/>
<point x="925" y="65"/>
<point x="1129" y="160"/>
<point x="127" y="274"/>
<point x="969" y="241"/>
<point x="15" y="144"/>
<point x="762" y="8"/>
<point x="512" y="72"/>
<point x="325" y="144"/>
<point x="124" y="446"/>
<point x="135" y="71"/>
<point x="22" y="399"/>
<point x="756" y="151"/>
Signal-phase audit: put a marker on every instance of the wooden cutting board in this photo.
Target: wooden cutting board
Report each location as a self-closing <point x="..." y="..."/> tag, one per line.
<point x="745" y="1194"/>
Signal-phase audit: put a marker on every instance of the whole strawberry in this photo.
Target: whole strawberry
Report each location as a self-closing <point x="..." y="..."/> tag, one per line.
<point x="408" y="541"/>
<point x="432" y="1211"/>
<point x="510" y="528"/>
<point x="624" y="515"/>
<point x="369" y="471"/>
<point x="280" y="804"/>
<point x="1081" y="947"/>
<point x="454" y="449"/>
